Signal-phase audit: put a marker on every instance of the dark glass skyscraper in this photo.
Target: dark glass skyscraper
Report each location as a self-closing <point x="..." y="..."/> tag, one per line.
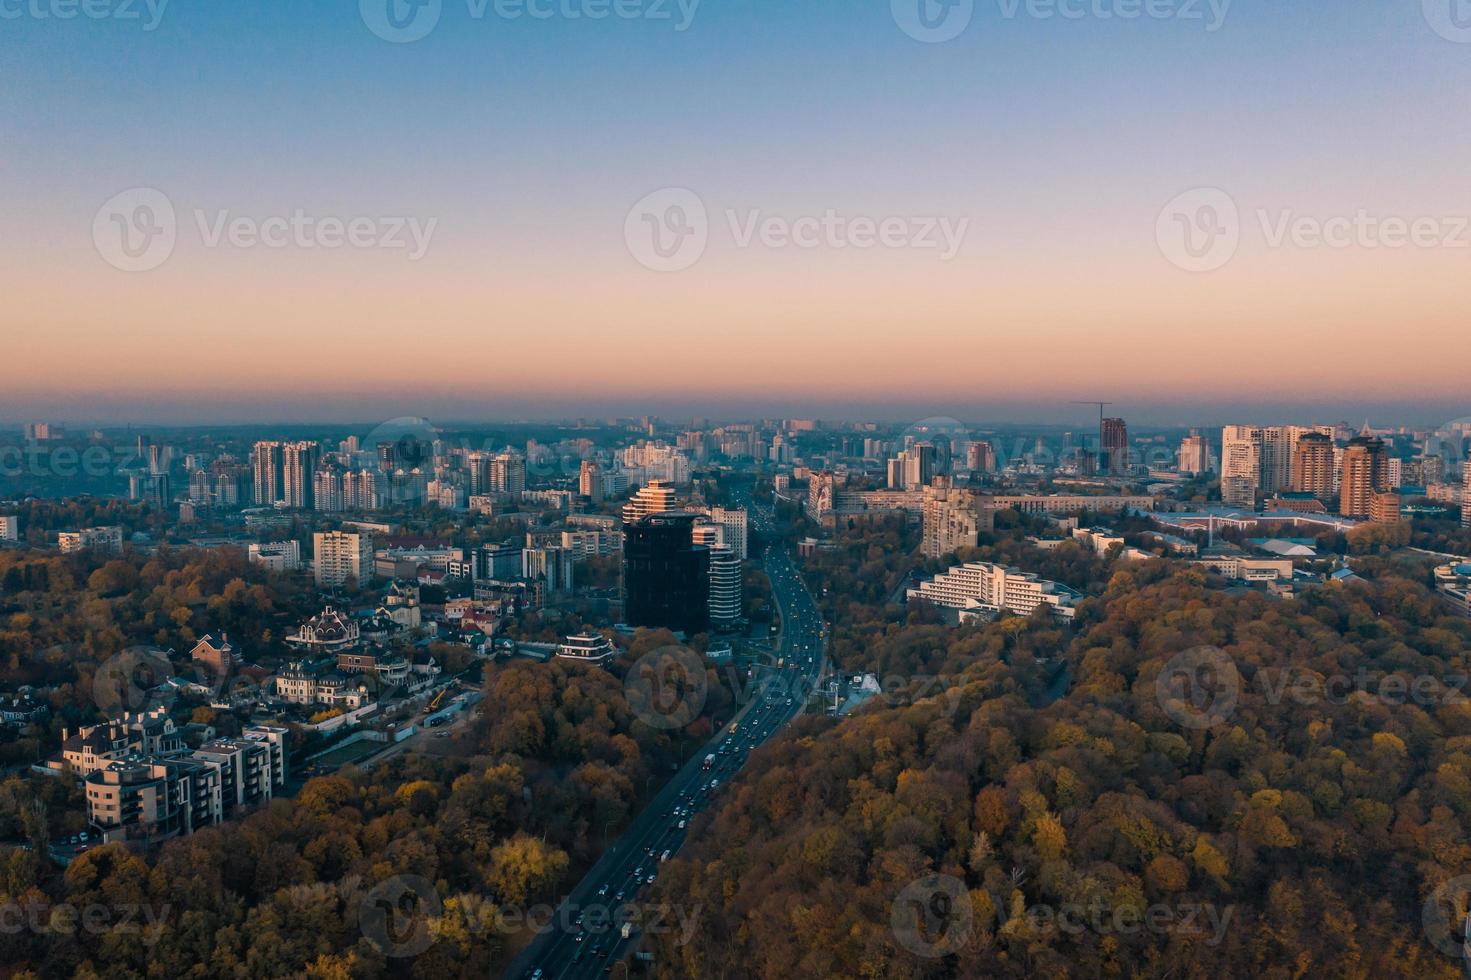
<point x="666" y="576"/>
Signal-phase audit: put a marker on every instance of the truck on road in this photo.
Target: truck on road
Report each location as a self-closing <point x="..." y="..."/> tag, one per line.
<point x="709" y="761"/>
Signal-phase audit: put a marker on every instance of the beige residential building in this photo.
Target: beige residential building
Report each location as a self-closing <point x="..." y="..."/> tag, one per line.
<point x="1313" y="465"/>
<point x="343" y="557"/>
<point x="1365" y="473"/>
<point x="953" y="519"/>
<point x="658" y="497"/>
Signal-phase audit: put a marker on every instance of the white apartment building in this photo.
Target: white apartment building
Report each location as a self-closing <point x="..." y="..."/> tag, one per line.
<point x="9" y="527"/>
<point x="1466" y="495"/>
<point x="981" y="589"/>
<point x="1241" y="465"/>
<point x="725" y="588"/>
<point x="734" y="521"/>
<point x="342" y="556"/>
<point x="277" y="556"/>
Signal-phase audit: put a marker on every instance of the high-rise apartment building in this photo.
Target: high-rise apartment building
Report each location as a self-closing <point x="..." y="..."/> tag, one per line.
<point x="1241" y="465"/>
<point x="550" y="566"/>
<point x="725" y="589"/>
<point x="1115" y="448"/>
<point x="666" y="576"/>
<point x="590" y="481"/>
<point x="913" y="467"/>
<point x="507" y="473"/>
<point x="327" y="492"/>
<point x="298" y="471"/>
<point x="9" y="527"/>
<point x="1466" y="495"/>
<point x="343" y="557"/>
<point x="267" y="460"/>
<point x="1194" y="456"/>
<point x="1312" y="465"/>
<point x="1365" y="473"/>
<point x="360" y="490"/>
<point x="1277" y="445"/>
<point x="980" y="457"/>
<point x="953" y="519"/>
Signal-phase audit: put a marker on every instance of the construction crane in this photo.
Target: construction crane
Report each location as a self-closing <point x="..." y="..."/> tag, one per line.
<point x="1101" y="407"/>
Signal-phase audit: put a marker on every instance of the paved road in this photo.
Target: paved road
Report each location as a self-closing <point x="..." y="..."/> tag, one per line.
<point x="585" y="938"/>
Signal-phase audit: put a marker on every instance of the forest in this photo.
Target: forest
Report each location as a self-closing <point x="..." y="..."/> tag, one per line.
<point x="508" y="815"/>
<point x="1314" y="829"/>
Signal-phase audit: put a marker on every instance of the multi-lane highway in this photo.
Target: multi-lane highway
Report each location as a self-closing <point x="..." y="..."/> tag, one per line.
<point x="586" y="936"/>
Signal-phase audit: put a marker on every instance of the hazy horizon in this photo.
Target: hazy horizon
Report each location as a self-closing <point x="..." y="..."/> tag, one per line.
<point x="456" y="412"/>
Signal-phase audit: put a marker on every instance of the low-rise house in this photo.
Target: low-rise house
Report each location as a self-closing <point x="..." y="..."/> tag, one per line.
<point x="594" y="649"/>
<point x="327" y="632"/>
<point x="22" y="709"/>
<point x="216" y="655"/>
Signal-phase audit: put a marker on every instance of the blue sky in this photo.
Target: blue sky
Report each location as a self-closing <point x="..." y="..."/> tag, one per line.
<point x="530" y="138"/>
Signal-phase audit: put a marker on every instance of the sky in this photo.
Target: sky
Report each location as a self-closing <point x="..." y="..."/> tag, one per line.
<point x="888" y="207"/>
